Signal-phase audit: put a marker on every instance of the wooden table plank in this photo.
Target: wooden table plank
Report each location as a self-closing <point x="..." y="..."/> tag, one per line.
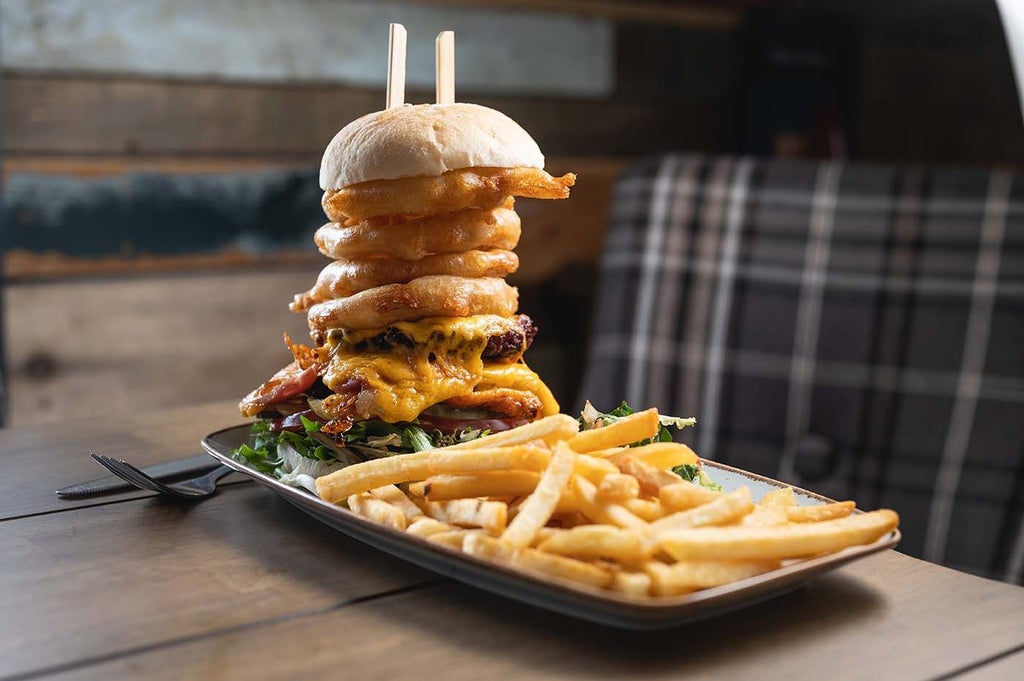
<point x="125" y="576"/>
<point x="244" y="586"/>
<point x="888" y="616"/>
<point x="1005" y="667"/>
<point x="44" y="458"/>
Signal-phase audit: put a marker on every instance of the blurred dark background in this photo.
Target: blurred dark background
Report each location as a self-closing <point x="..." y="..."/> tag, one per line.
<point x="160" y="161"/>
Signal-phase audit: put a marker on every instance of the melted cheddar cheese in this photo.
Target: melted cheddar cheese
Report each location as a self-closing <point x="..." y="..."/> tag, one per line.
<point x="433" y="360"/>
<point x="519" y="377"/>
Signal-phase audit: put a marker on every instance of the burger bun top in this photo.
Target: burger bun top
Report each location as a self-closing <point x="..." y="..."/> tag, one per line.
<point x="425" y="140"/>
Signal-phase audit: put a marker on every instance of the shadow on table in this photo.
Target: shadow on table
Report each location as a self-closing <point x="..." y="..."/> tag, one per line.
<point x="444" y="615"/>
<point x="825" y="606"/>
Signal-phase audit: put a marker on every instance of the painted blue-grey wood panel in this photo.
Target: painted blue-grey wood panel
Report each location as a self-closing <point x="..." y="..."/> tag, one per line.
<point x="497" y="50"/>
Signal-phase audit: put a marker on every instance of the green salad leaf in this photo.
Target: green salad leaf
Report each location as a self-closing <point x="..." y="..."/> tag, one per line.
<point x="264" y="454"/>
<point x="364" y="439"/>
<point x="592" y="418"/>
<point x="695" y="473"/>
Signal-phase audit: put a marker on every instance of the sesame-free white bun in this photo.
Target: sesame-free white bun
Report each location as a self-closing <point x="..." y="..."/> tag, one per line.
<point x="423" y="140"/>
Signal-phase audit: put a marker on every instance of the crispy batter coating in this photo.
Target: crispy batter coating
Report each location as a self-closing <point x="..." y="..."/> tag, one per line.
<point x="347" y="277"/>
<point x="454" y="190"/>
<point x="430" y="296"/>
<point x="507" y="401"/>
<point x="464" y="230"/>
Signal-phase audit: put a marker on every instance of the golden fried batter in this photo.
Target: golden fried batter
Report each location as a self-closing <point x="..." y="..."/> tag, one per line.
<point x="347" y="277"/>
<point x="513" y="403"/>
<point x="464" y="230"/>
<point x="454" y="190"/>
<point x="430" y="296"/>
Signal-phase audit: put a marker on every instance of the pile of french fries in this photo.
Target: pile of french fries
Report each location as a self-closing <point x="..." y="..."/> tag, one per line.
<point x="586" y="507"/>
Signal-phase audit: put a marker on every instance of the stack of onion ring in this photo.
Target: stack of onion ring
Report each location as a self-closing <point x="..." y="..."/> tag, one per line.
<point x="413" y="318"/>
<point x="419" y="247"/>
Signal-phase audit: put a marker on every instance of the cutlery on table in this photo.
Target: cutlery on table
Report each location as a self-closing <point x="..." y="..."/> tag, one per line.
<point x="110" y="484"/>
<point x="196" y="488"/>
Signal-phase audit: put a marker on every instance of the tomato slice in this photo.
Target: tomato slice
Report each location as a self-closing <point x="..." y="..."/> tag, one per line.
<point x="289" y="382"/>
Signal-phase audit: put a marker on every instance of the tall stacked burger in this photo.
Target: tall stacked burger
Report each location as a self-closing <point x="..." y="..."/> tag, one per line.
<point x="416" y="340"/>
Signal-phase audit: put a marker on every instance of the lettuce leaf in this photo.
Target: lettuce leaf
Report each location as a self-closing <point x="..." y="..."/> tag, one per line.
<point x="695" y="474"/>
<point x="592" y="418"/>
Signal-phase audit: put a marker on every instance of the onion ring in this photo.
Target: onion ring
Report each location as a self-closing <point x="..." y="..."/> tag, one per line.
<point x="347" y="277"/>
<point x="454" y="190"/>
<point x="464" y="230"/>
<point x="431" y="296"/>
<point x="507" y="401"/>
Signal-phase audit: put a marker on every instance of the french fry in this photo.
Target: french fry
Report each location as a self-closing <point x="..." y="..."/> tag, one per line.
<point x="686" y="576"/>
<point x="571" y="520"/>
<point x="636" y="584"/>
<point x="392" y="470"/>
<point x="537" y="561"/>
<point x="452" y="538"/>
<point x="813" y="514"/>
<point x="591" y="509"/>
<point x="782" y="497"/>
<point x="545" y="533"/>
<point x="618" y="487"/>
<point x="663" y="455"/>
<point x="397" y="498"/>
<point x="550" y="429"/>
<point x="608" y="453"/>
<point x="650" y="478"/>
<point x="567" y="503"/>
<point x="594" y="468"/>
<point x="424" y="527"/>
<point x="538" y="508"/>
<point x="590" y="542"/>
<point x="376" y="510"/>
<point x="645" y="509"/>
<point x="486" y="484"/>
<point x="629" y="429"/>
<point x="683" y="495"/>
<point x="725" y="509"/>
<point x="794" y="540"/>
<point x="766" y="516"/>
<point x="609" y="514"/>
<point x="489" y="515"/>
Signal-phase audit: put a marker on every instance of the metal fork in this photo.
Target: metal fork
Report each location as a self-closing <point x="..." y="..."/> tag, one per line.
<point x="196" y="488"/>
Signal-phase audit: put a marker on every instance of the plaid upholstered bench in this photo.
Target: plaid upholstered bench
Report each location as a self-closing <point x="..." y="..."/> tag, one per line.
<point x="854" y="329"/>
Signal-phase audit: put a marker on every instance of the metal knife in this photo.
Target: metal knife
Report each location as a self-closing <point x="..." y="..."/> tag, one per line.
<point x="168" y="469"/>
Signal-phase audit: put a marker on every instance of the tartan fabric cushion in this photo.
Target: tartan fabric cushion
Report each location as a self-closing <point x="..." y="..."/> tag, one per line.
<point x="855" y="329"/>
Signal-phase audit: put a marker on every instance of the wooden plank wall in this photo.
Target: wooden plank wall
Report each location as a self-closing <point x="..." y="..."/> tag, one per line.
<point x="100" y="336"/>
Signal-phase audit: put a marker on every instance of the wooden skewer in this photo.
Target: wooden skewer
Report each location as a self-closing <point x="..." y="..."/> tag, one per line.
<point x="445" y="67"/>
<point x="396" y="66"/>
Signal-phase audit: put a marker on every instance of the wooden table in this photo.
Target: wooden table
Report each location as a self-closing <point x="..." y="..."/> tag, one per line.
<point x="245" y="586"/>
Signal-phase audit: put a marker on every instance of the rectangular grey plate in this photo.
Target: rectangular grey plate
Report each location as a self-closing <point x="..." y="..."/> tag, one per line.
<point x="562" y="596"/>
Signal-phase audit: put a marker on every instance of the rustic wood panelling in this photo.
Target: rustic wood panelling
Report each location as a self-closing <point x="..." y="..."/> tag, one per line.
<point x="98" y="346"/>
<point x="107" y="346"/>
<point x="556" y="234"/>
<point x="112" y="165"/>
<point x="700" y="15"/>
<point x="67" y="115"/>
<point x="500" y="50"/>
<point x="79" y="344"/>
